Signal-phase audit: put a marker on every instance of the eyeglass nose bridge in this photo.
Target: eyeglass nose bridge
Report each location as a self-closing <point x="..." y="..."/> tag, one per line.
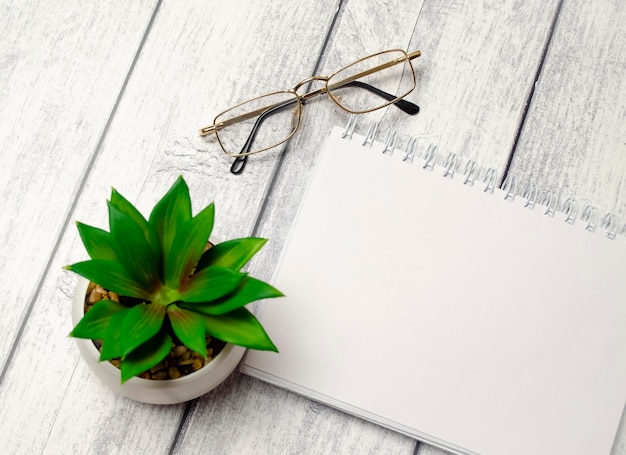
<point x="311" y="79"/>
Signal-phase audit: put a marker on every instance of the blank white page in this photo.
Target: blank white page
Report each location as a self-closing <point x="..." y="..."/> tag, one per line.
<point x="449" y="314"/>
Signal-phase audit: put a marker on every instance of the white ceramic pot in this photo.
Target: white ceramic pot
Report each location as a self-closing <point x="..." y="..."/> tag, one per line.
<point x="167" y="391"/>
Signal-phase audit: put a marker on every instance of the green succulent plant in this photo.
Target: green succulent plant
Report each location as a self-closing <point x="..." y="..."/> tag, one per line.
<point x="181" y="290"/>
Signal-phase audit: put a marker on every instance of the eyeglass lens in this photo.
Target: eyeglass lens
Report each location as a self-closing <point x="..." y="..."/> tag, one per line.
<point x="264" y="122"/>
<point x="373" y="82"/>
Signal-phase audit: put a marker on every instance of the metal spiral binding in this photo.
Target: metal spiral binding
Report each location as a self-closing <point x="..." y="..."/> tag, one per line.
<point x="590" y="216"/>
<point x="450" y="165"/>
<point x="530" y="194"/>
<point x="550" y="201"/>
<point x="509" y="187"/>
<point x="490" y="180"/>
<point x="429" y="158"/>
<point x="610" y="225"/>
<point x="470" y="173"/>
<point x="390" y="143"/>
<point x="371" y="134"/>
<point x="570" y="208"/>
<point x="349" y="129"/>
<point x="409" y="153"/>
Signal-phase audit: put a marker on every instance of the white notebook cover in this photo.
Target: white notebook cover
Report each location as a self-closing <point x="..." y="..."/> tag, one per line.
<point x="451" y="315"/>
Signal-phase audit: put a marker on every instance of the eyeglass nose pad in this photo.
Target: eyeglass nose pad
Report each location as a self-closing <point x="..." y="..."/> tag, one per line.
<point x="295" y="118"/>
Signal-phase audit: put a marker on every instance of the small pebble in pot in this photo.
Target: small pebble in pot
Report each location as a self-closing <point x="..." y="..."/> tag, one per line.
<point x="94" y="296"/>
<point x="180" y="351"/>
<point x="161" y="374"/>
<point x="173" y="373"/>
<point x="180" y="360"/>
<point x="100" y="290"/>
<point x="157" y="367"/>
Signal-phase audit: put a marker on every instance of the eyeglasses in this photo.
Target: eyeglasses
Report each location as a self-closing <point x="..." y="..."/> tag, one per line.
<point x="264" y="122"/>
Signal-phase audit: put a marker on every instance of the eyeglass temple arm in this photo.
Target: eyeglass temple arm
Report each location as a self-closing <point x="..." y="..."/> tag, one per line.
<point x="242" y="158"/>
<point x="411" y="56"/>
<point x="240" y="161"/>
<point x="402" y="104"/>
<point x="414" y="54"/>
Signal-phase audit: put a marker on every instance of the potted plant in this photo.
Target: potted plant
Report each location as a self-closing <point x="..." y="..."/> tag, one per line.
<point x="157" y="295"/>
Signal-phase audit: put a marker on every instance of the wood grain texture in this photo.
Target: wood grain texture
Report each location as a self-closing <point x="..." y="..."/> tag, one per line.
<point x="470" y="105"/>
<point x="478" y="67"/>
<point x="62" y="65"/>
<point x="475" y="75"/>
<point x="297" y="425"/>
<point x="52" y="402"/>
<point x="265" y="419"/>
<point x="188" y="65"/>
<point x="574" y="140"/>
<point x="445" y="73"/>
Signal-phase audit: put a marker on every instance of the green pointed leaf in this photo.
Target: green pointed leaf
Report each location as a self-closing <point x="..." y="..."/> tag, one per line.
<point x="171" y="213"/>
<point x="248" y="291"/>
<point x="187" y="247"/>
<point x="147" y="355"/>
<point x="210" y="284"/>
<point x="239" y="327"/>
<point x="95" y="322"/>
<point x="123" y="205"/>
<point x="140" y="324"/>
<point x="133" y="249"/>
<point x="98" y="242"/>
<point x="110" y="275"/>
<point x="112" y="342"/>
<point x="189" y="328"/>
<point x="232" y="254"/>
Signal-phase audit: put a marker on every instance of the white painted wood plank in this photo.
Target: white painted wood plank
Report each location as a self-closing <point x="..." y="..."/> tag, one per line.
<point x="478" y="66"/>
<point x="62" y="65"/>
<point x="191" y="61"/>
<point x="472" y="92"/>
<point x="265" y="419"/>
<point x="573" y="142"/>
<point x="297" y="425"/>
<point x="574" y="139"/>
<point x="52" y="403"/>
<point x="392" y="25"/>
<point x="184" y="76"/>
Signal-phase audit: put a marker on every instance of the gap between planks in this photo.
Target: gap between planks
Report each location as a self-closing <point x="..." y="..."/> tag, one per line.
<point x="531" y="93"/>
<point x="80" y="187"/>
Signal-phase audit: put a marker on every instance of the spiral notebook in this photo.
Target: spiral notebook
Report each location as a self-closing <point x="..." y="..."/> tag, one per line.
<point x="450" y="310"/>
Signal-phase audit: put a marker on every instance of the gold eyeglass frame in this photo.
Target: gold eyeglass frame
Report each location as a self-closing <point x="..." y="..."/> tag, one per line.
<point x="216" y="126"/>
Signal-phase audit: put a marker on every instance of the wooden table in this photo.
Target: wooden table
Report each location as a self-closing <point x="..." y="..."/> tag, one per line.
<point x="101" y="94"/>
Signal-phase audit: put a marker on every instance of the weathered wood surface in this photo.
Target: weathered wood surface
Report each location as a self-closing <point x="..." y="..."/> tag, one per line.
<point x="573" y="142"/>
<point x="62" y="68"/>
